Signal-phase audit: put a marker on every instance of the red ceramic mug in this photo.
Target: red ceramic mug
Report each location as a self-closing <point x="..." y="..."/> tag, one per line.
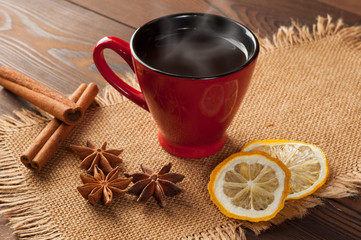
<point x="193" y="70"/>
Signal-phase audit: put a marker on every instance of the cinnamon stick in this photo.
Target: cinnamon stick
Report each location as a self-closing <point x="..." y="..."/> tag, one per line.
<point x="40" y="95"/>
<point x="60" y="134"/>
<point x="47" y="132"/>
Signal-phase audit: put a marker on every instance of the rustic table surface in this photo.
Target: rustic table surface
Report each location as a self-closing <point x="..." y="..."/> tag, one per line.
<point x="52" y="41"/>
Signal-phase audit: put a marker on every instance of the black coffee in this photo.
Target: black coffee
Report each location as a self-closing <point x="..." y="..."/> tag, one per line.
<point x="195" y="53"/>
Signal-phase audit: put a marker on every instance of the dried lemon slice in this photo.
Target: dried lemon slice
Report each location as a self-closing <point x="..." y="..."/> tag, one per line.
<point x="249" y="186"/>
<point x="307" y="163"/>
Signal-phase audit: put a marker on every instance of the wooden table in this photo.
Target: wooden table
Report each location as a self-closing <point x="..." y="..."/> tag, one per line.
<point x="52" y="41"/>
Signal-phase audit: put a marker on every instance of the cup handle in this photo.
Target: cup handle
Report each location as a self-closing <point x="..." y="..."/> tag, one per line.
<point x="123" y="49"/>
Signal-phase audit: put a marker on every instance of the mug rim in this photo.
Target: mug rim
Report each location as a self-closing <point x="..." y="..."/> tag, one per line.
<point x="244" y="65"/>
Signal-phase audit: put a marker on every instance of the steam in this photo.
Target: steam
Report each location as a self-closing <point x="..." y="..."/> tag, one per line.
<point x="195" y="50"/>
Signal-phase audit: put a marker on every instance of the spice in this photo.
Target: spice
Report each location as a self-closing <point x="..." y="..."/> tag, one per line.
<point x="103" y="188"/>
<point x="48" y="141"/>
<point x="159" y="185"/>
<point x="104" y="158"/>
<point x="40" y="95"/>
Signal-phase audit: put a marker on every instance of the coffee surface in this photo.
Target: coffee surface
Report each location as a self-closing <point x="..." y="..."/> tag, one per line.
<point x="195" y="53"/>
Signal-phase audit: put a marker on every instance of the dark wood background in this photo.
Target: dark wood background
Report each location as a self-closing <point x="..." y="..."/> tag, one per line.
<point x="52" y="41"/>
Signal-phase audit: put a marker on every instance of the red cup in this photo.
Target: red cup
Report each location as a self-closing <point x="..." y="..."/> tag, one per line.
<point x="191" y="112"/>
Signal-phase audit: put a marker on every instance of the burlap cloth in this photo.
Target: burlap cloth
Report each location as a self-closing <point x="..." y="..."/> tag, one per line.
<point x="306" y="87"/>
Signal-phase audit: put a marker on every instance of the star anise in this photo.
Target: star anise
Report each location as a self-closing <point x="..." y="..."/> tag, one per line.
<point x="103" y="188"/>
<point x="158" y="185"/>
<point x="106" y="159"/>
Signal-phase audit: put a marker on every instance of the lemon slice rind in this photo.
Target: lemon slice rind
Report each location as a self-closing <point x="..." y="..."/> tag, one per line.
<point x="319" y="154"/>
<point x="223" y="202"/>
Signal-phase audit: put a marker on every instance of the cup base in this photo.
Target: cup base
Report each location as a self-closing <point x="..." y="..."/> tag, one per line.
<point x="192" y="151"/>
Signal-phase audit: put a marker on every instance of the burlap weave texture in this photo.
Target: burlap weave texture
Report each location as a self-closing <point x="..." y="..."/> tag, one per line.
<point x="306" y="87"/>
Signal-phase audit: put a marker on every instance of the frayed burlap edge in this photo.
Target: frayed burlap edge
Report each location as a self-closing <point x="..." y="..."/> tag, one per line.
<point x="18" y="201"/>
<point x="297" y="34"/>
<point x="29" y="219"/>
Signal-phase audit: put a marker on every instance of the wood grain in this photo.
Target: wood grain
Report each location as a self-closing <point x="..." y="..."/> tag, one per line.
<point x="259" y="15"/>
<point x="53" y="43"/>
<point x="136" y="13"/>
<point x="337" y="219"/>
<point x="353" y="6"/>
<point x="264" y="17"/>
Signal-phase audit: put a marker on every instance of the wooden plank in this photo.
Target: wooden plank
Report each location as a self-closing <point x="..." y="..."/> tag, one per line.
<point x="353" y="6"/>
<point x="53" y="44"/>
<point x="262" y="16"/>
<point x="137" y="12"/>
<point x="337" y="219"/>
<point x="265" y="17"/>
